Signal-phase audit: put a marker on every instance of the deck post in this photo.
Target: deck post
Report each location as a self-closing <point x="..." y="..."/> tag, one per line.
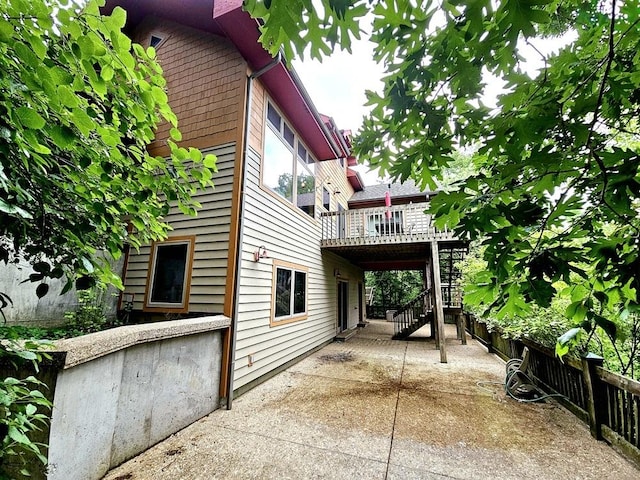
<point x="438" y="310"/>
<point x="594" y="393"/>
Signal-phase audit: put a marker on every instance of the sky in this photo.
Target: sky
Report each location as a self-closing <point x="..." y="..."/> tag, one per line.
<point x="337" y="85"/>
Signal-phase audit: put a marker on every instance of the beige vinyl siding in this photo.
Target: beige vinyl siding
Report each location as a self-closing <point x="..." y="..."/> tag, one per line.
<point x="211" y="230"/>
<point x="333" y="171"/>
<point x="289" y="235"/>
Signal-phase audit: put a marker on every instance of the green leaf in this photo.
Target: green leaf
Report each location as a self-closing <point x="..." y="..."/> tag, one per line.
<point x="17" y="436"/>
<point x="6" y="30"/>
<point x="42" y="290"/>
<point x="30" y="118"/>
<point x="14" y="209"/>
<point x="210" y="162"/>
<point x="175" y="134"/>
<point x="67" y="96"/>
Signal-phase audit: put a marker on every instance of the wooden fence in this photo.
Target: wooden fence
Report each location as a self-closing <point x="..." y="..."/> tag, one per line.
<point x="608" y="402"/>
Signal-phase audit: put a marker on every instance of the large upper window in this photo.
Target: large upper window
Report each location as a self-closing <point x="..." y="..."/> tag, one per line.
<point x="288" y="169"/>
<point x="170" y="278"/>
<point x="289" y="293"/>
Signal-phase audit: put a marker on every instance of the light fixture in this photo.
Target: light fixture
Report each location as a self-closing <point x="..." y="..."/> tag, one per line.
<point x="261" y="253"/>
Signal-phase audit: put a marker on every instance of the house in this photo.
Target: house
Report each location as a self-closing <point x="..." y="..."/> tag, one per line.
<point x="253" y="252"/>
<point x="273" y="264"/>
<point x="281" y="244"/>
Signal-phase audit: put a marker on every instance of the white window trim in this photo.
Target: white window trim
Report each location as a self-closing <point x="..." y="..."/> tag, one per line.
<point x="295" y="158"/>
<point x="293" y="317"/>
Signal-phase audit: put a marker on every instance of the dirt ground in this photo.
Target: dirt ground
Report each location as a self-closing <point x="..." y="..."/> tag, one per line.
<point x="377" y="408"/>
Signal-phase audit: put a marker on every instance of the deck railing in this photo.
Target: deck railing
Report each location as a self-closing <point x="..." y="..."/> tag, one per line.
<point x="395" y="224"/>
<point x="410" y="312"/>
<point x="608" y="402"/>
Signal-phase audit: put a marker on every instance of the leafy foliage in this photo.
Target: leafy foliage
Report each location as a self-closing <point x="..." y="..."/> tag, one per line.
<point x="394" y="288"/>
<point x="550" y="326"/>
<point x="558" y="197"/>
<point x="78" y="105"/>
<point x="89" y="316"/>
<point x="22" y="407"/>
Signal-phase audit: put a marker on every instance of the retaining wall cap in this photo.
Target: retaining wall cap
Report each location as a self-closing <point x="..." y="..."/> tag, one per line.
<point x="94" y="345"/>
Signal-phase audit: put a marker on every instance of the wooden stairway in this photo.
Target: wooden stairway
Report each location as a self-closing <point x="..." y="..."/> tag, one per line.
<point x="412" y="316"/>
<point x="422" y="320"/>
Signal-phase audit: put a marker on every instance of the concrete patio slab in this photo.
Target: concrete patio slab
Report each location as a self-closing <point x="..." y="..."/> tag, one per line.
<point x="375" y="408"/>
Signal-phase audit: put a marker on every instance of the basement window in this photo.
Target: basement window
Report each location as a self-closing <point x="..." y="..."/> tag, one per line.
<point x="170" y="274"/>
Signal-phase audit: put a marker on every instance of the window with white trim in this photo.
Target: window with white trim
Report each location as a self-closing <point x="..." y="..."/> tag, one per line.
<point x="289" y="293"/>
<point x="288" y="168"/>
<point x="156" y="39"/>
<point x="170" y="278"/>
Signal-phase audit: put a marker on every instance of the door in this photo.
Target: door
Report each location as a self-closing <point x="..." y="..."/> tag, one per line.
<point x="343" y="306"/>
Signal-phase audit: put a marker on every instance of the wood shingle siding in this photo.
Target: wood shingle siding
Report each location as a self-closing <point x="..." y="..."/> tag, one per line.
<point x="205" y="82"/>
<point x="211" y="229"/>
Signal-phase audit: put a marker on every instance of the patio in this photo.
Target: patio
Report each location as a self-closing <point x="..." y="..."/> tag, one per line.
<point x="377" y="408"/>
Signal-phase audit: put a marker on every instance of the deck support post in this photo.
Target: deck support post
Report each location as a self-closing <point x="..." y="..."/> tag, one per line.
<point x="437" y="296"/>
<point x="594" y="401"/>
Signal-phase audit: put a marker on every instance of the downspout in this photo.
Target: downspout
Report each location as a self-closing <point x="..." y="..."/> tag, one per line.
<point x="240" y="233"/>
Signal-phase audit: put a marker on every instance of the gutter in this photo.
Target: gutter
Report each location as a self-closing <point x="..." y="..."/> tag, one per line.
<point x="315" y="113"/>
<point x="240" y="235"/>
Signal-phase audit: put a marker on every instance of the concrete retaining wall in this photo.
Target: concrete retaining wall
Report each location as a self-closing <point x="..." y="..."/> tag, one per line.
<point x="123" y="390"/>
<point x="48" y="311"/>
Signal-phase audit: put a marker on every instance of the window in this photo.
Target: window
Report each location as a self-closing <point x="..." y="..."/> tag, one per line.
<point x="326" y="199"/>
<point x="289" y="301"/>
<point x="385" y="223"/>
<point x="288" y="169"/>
<point x="155" y="40"/>
<point x="170" y="275"/>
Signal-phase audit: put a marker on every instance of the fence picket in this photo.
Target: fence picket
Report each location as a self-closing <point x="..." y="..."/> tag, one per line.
<point x="600" y="397"/>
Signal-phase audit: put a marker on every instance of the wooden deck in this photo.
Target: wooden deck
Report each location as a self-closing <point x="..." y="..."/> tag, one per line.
<point x="385" y="238"/>
<point x="400" y="224"/>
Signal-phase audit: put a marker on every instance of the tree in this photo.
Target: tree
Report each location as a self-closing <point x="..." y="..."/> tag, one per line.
<point x="78" y="105"/>
<point x="559" y="193"/>
<point x="304" y="184"/>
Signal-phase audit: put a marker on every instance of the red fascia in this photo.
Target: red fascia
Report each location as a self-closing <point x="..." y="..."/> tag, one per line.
<point x="355" y="180"/>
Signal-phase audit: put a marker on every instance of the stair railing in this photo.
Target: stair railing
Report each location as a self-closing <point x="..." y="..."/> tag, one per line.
<point x="410" y="312"/>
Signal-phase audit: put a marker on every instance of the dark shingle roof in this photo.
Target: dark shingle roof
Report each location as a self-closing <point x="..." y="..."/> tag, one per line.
<point x="372" y="193"/>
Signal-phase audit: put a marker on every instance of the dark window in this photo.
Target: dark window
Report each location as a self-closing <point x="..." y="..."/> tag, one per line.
<point x="283" y="293"/>
<point x="302" y="153"/>
<point x="169" y="273"/>
<point x="154" y="41"/>
<point x="273" y="116"/>
<point x="326" y="199"/>
<point x="300" y="293"/>
<point x="290" y="293"/>
<point x="288" y="134"/>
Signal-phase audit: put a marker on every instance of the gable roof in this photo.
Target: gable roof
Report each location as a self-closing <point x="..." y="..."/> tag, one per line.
<point x="226" y="18"/>
<point x="401" y="193"/>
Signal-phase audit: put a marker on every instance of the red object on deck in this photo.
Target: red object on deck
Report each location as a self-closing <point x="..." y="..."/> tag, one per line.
<point x="387" y="203"/>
